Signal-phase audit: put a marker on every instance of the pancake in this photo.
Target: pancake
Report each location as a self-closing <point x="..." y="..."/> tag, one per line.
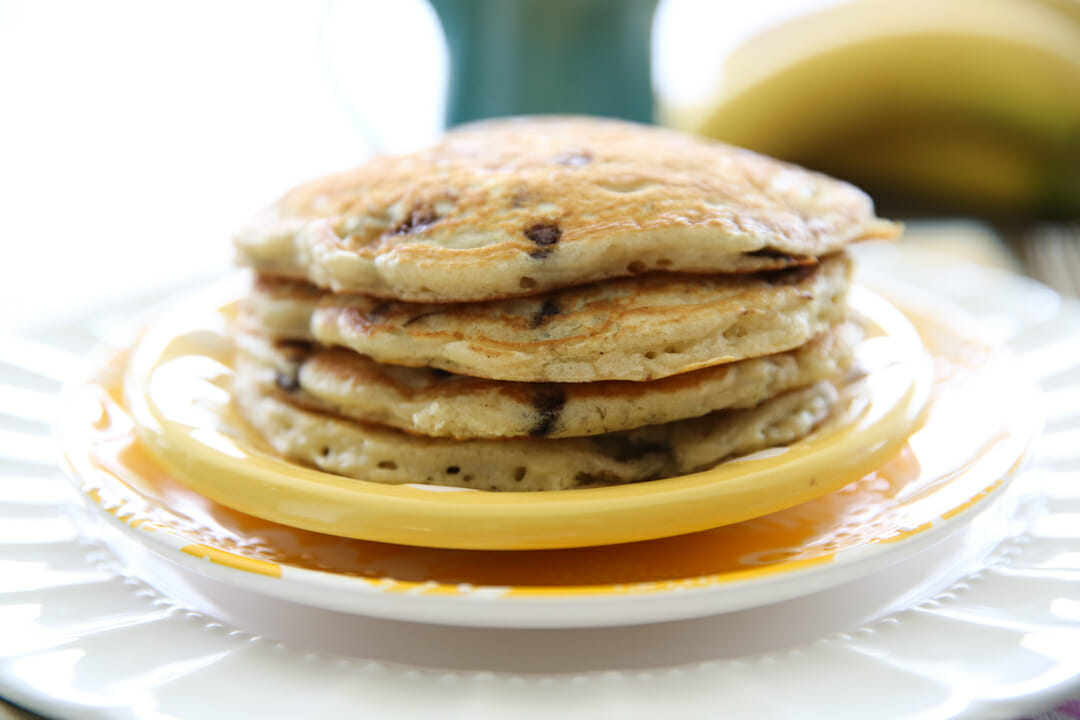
<point x="380" y="454"/>
<point x="642" y="328"/>
<point x="282" y="308"/>
<point x="508" y="208"/>
<point x="440" y="404"/>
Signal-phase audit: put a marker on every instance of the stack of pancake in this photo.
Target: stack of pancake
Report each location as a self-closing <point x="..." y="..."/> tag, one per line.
<point x="548" y="303"/>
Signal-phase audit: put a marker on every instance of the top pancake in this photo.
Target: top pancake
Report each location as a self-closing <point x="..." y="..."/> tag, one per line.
<point x="514" y="207"/>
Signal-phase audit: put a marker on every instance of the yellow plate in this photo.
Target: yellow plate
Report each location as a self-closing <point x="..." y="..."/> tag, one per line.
<point x="177" y="390"/>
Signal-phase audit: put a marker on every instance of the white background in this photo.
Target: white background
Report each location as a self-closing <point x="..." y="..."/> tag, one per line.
<point x="135" y="136"/>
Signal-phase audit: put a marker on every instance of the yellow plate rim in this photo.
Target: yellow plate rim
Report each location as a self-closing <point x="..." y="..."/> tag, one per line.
<point x="469" y="519"/>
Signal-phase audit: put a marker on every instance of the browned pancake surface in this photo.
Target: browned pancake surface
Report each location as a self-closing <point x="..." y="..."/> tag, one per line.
<point x="515" y="207"/>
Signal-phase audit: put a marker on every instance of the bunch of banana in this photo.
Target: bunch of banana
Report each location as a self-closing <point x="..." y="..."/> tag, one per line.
<point x="953" y="105"/>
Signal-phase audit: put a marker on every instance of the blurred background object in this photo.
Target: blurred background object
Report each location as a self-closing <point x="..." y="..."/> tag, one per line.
<point x="571" y="57"/>
<point x="933" y="106"/>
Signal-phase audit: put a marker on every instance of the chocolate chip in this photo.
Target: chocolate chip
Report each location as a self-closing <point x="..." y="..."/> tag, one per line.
<point x="544" y="236"/>
<point x="377" y="312"/>
<point x="420" y="218"/>
<point x="549" y="308"/>
<point x="453" y="470"/>
<point x="296" y="351"/>
<point x="287" y="382"/>
<point x="623" y="449"/>
<point x="548" y="404"/>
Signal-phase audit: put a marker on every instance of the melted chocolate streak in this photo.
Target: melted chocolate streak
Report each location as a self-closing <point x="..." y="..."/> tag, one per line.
<point x="549" y="309"/>
<point x="548" y="404"/>
<point x="418" y="219"/>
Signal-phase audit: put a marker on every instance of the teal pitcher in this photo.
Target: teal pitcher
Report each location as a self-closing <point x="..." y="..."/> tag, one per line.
<point x="517" y="57"/>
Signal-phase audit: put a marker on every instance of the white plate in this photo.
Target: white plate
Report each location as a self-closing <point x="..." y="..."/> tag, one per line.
<point x="951" y="632"/>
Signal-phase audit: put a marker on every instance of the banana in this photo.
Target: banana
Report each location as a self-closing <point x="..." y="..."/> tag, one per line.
<point x="966" y="105"/>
